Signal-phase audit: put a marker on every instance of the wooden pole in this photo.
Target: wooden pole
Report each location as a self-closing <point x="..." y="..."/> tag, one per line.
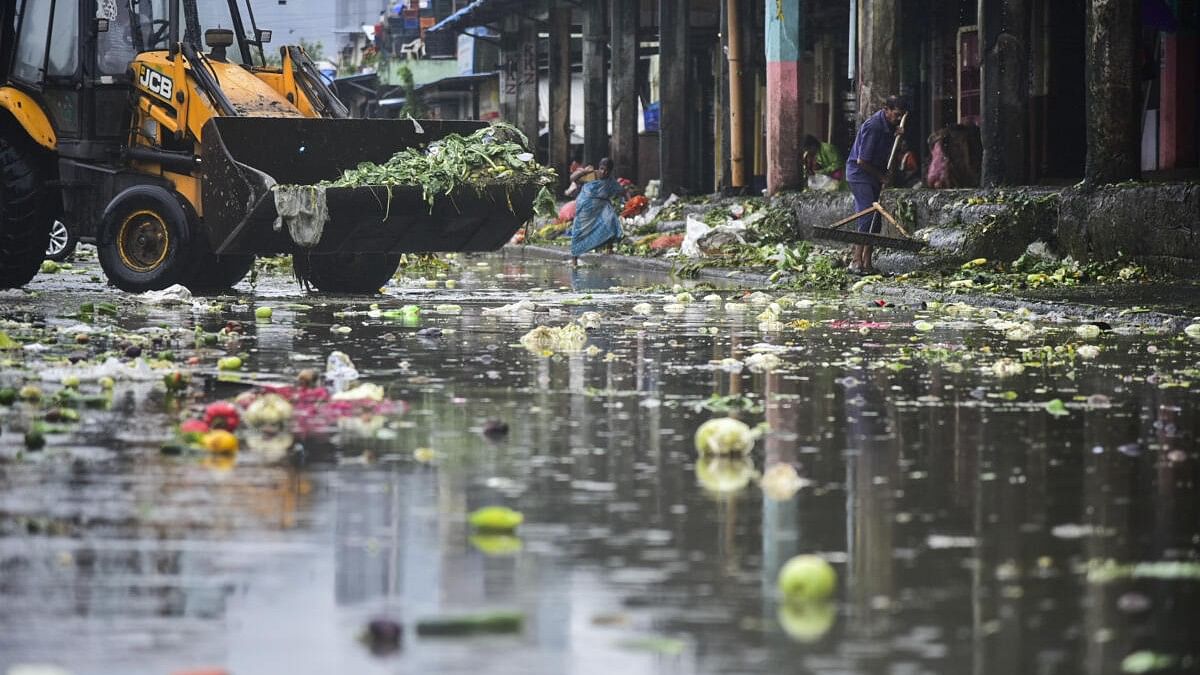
<point x="624" y="45"/>
<point x="560" y="93"/>
<point x="737" y="157"/>
<point x="595" y="83"/>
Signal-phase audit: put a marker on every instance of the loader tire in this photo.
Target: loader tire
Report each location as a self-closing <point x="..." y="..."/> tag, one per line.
<point x="357" y="273"/>
<point x="25" y="215"/>
<point x="145" y="240"/>
<point x="215" y="273"/>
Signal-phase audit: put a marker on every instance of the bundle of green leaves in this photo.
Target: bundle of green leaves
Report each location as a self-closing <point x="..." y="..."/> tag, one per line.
<point x="492" y="155"/>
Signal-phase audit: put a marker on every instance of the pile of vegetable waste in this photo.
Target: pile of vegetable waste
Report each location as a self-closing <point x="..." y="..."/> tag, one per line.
<point x="494" y="155"/>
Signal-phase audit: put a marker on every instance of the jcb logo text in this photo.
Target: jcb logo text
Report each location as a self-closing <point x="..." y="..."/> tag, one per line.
<point x="157" y="83"/>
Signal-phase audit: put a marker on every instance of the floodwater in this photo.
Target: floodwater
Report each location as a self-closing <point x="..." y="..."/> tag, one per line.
<point x="969" y="522"/>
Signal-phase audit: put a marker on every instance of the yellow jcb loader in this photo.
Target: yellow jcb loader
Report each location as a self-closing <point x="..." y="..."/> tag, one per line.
<point x="157" y="130"/>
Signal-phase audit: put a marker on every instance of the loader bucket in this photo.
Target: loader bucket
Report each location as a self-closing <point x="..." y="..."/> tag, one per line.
<point x="244" y="158"/>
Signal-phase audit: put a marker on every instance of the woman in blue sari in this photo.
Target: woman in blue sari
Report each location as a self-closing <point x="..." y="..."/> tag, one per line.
<point x="596" y="221"/>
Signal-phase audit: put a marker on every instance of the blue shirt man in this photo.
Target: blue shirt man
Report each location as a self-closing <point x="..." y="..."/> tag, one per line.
<point x="866" y="170"/>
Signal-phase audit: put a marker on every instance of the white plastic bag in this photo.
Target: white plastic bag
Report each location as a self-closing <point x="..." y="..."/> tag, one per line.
<point x="696" y="229"/>
<point x="822" y="183"/>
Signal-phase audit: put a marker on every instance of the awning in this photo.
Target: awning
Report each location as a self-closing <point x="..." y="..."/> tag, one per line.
<point x="459" y="83"/>
<point x="478" y="13"/>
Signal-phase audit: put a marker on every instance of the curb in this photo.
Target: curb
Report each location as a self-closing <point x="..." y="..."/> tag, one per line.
<point x="894" y="293"/>
<point x="636" y="263"/>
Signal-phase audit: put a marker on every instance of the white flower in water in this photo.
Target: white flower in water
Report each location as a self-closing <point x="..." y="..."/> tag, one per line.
<point x="1007" y="368"/>
<point x="1088" y="352"/>
<point x="643" y="308"/>
<point x="1088" y="331"/>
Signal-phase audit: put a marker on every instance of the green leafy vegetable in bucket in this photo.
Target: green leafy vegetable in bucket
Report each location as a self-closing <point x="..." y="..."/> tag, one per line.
<point x="494" y="155"/>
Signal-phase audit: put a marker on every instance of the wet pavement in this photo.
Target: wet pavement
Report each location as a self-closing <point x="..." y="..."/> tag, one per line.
<point x="976" y="525"/>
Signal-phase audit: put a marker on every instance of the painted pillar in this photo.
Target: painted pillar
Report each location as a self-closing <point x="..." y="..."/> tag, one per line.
<point x="595" y="83"/>
<point x="1113" y="91"/>
<point x="1177" y="101"/>
<point x="878" y="56"/>
<point x="624" y="43"/>
<point x="1004" y="42"/>
<point x="527" y="81"/>
<point x="673" y="92"/>
<point x="560" y="92"/>
<point x="784" y="99"/>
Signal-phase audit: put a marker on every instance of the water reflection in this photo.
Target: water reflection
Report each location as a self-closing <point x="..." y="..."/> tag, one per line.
<point x="961" y="522"/>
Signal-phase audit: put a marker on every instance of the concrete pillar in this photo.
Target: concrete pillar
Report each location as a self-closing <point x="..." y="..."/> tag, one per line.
<point x="1113" y="91"/>
<point x="595" y="82"/>
<point x="1004" y="43"/>
<point x="1177" y="101"/>
<point x="784" y="99"/>
<point x="878" y="58"/>
<point x="527" y="81"/>
<point x="510" y="51"/>
<point x="560" y="92"/>
<point x="624" y="42"/>
<point x="673" y="57"/>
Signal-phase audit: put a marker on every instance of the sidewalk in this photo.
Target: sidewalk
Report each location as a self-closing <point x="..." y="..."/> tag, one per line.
<point x="1167" y="305"/>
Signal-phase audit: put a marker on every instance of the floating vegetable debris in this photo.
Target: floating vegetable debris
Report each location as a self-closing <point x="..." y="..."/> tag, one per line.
<point x="806" y="578"/>
<point x="496" y="519"/>
<point x="544" y="339"/>
<point x="471" y="624"/>
<point x="781" y="482"/>
<point x="725" y="436"/>
<point x="654" y="644"/>
<point x="1108" y="571"/>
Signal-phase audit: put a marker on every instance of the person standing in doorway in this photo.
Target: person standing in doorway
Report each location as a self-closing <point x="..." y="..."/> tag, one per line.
<point x="867" y="171"/>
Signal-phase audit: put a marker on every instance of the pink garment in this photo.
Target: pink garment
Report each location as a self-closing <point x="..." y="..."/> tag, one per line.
<point x="567" y="213"/>
<point x="939" y="168"/>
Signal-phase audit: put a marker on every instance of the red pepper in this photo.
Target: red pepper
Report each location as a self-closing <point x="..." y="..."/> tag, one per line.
<point x="221" y="415"/>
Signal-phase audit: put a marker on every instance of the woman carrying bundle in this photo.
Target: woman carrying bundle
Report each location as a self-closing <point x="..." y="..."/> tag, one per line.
<point x="596" y="221"/>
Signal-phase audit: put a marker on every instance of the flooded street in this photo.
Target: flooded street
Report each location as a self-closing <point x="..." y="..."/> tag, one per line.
<point x="994" y="498"/>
